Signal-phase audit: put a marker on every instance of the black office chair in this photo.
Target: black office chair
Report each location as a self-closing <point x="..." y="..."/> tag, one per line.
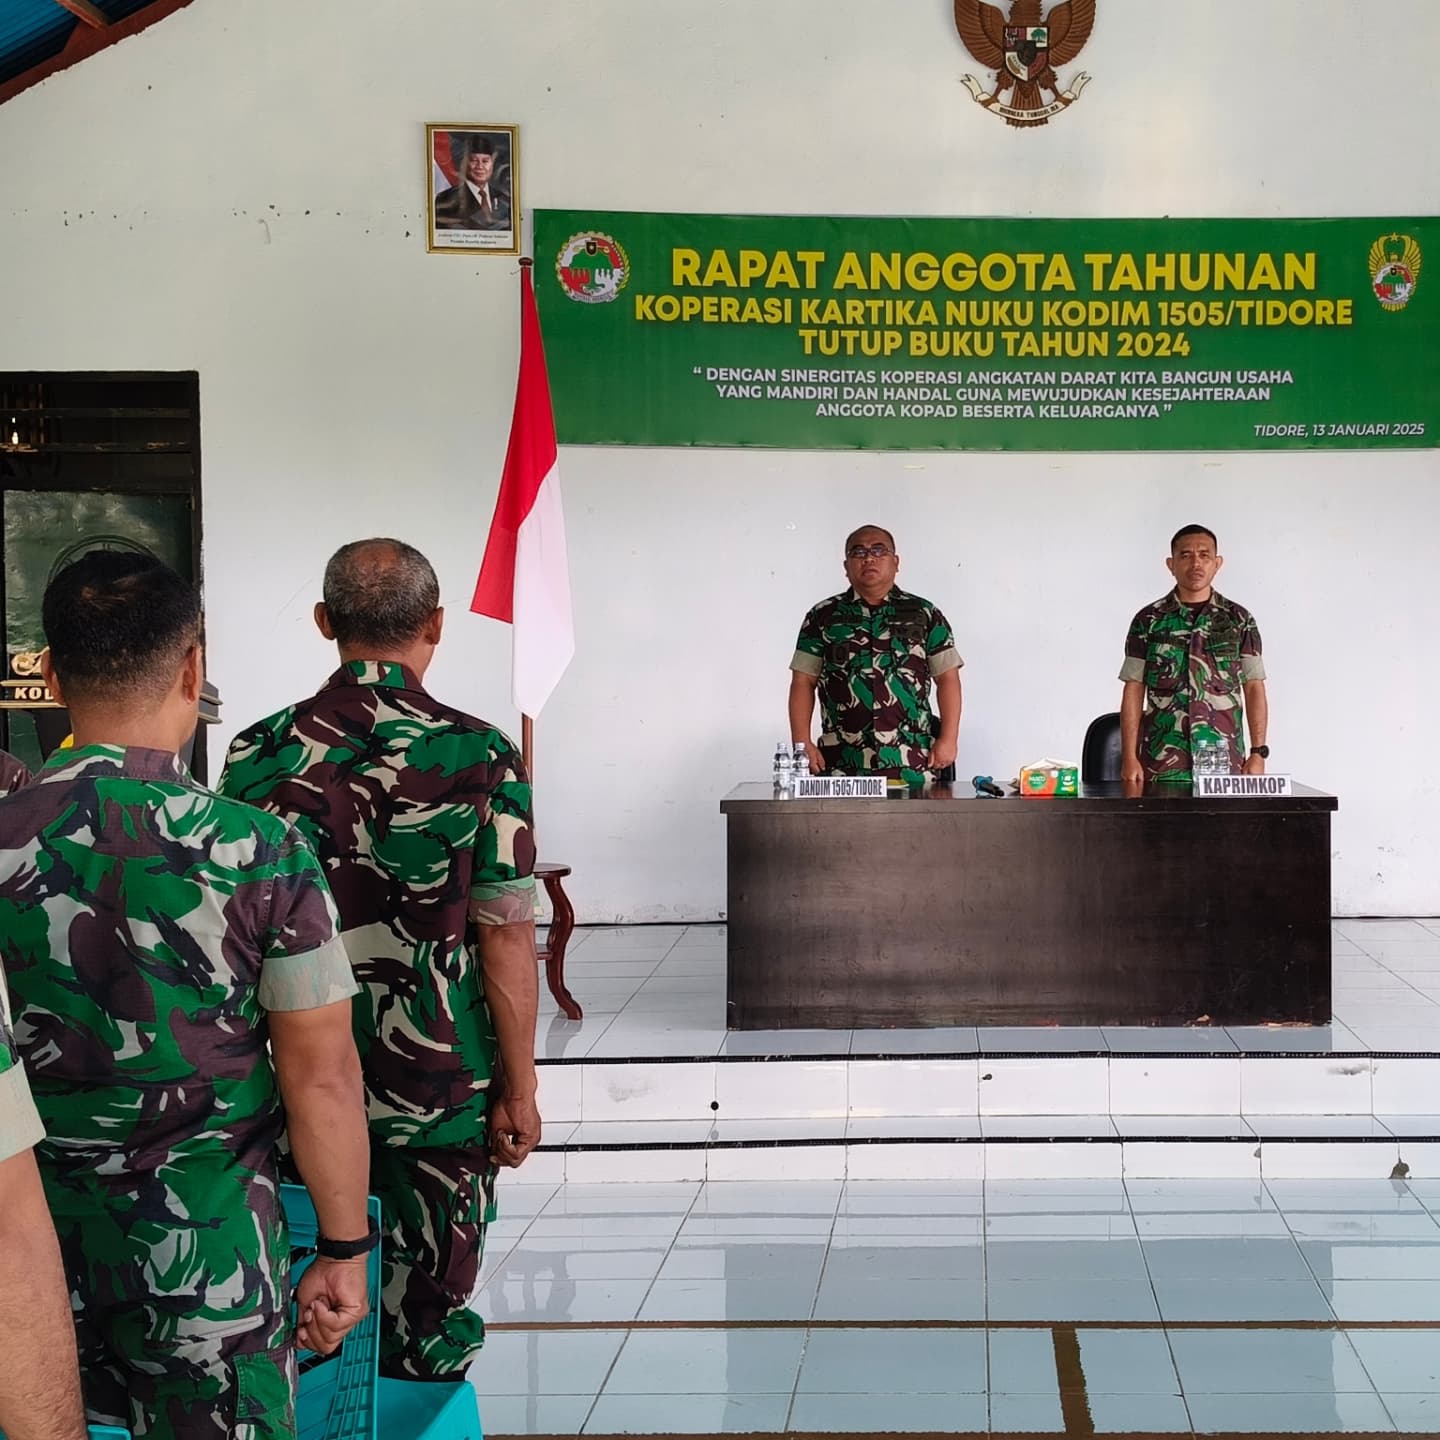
<point x="1100" y="759"/>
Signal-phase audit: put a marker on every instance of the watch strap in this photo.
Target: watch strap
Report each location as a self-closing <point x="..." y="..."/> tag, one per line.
<point x="348" y="1249"/>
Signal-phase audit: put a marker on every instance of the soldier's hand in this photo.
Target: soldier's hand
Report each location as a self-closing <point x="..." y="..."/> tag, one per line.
<point x="1131" y="772"/>
<point x="816" y="759"/>
<point x="942" y="753"/>
<point x="332" y="1298"/>
<point x="1254" y="765"/>
<point x="514" y="1128"/>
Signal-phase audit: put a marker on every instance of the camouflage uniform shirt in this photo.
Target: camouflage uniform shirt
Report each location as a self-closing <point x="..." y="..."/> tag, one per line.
<point x="421" y="818"/>
<point x="147" y="927"/>
<point x="874" y="665"/>
<point x="1194" y="662"/>
<point x="19" y="1124"/>
<point x="12" y="773"/>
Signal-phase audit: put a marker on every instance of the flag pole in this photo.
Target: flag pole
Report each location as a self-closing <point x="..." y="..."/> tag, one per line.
<point x="527" y="722"/>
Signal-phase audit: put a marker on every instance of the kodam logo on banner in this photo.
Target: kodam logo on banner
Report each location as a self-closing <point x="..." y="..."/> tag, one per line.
<point x="592" y="268"/>
<point x="1023" y="49"/>
<point x="1395" y="269"/>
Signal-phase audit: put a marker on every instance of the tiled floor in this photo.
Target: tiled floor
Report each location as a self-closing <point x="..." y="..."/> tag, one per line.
<point x="1075" y="1307"/>
<point x="659" y="990"/>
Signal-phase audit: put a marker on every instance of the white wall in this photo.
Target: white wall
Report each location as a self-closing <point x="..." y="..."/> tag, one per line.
<point x="241" y="191"/>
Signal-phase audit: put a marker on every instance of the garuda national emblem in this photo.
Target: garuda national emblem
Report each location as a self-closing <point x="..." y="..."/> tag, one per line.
<point x="1024" y="49"/>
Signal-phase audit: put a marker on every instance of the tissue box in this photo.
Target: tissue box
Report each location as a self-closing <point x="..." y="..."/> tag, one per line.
<point x="1046" y="778"/>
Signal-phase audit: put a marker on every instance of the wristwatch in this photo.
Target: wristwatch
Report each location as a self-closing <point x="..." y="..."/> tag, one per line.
<point x="348" y="1249"/>
<point x="1263" y="751"/>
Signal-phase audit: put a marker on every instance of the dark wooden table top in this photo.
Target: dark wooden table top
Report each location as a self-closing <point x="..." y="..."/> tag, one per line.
<point x="1106" y="798"/>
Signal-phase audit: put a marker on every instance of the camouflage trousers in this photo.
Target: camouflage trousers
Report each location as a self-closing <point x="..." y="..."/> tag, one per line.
<point x="182" y="1294"/>
<point x="437" y="1204"/>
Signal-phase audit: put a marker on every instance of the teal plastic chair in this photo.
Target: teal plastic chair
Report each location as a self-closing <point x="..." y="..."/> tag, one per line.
<point x="344" y="1398"/>
<point x="337" y="1399"/>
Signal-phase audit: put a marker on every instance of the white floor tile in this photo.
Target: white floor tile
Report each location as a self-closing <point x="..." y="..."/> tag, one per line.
<point x="1051" y="1300"/>
<point x="1044" y="1087"/>
<point x="916" y="1127"/>
<point x="559" y="1092"/>
<point x="784" y="1298"/>
<point x="1308" y="1086"/>
<point x="712" y="1362"/>
<point x="889" y="1414"/>
<point x="912" y="1087"/>
<point x="1040" y="1161"/>
<point x="647" y="1092"/>
<point x="1406" y="1086"/>
<point x="1340" y="1160"/>
<point x="551" y="1259"/>
<point x="1042" y="1039"/>
<point x="849" y="1362"/>
<point x="1182" y="1039"/>
<point x="724" y="1414"/>
<point x="797" y="1258"/>
<point x="811" y="1089"/>
<point x="918" y="1161"/>
<point x="540" y="1362"/>
<point x="657" y="1042"/>
<point x="555" y="1298"/>
<point x="1171" y="1086"/>
<point x="1198" y="1158"/>
<point x="1195" y="1298"/>
<point x="1047" y="1127"/>
<point x="739" y="1199"/>
<point x="784" y="1043"/>
<point x="621" y="1166"/>
<point x="851" y="1297"/>
<point x="1284" y="1414"/>
<point x="959" y="1040"/>
<point x="802" y="1162"/>
<point x="534" y="1414"/>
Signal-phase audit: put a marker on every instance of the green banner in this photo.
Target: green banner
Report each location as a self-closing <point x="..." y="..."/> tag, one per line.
<point x="991" y="334"/>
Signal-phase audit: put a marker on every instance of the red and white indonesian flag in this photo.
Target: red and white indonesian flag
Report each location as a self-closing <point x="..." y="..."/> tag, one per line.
<point x="525" y="576"/>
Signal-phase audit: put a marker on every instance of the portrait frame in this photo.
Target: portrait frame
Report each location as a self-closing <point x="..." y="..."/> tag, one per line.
<point x="472" y="209"/>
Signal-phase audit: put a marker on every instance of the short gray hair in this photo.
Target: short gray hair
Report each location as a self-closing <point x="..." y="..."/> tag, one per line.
<point x="379" y="592"/>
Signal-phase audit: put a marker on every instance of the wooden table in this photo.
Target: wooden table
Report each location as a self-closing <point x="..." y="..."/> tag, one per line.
<point x="946" y="909"/>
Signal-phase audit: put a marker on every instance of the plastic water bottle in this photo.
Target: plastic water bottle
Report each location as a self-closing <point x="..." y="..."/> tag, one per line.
<point x="784" y="768"/>
<point x="1210" y="757"/>
<point x="799" y="765"/>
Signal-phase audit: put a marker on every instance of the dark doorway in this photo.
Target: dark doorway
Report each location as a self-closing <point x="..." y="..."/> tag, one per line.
<point x="87" y="460"/>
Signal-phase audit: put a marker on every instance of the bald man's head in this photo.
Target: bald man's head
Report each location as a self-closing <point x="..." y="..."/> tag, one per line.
<point x="379" y="594"/>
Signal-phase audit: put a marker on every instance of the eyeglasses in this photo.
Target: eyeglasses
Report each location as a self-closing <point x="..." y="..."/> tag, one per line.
<point x="859" y="552"/>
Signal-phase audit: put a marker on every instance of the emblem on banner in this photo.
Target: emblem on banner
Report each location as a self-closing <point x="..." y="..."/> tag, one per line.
<point x="1395" y="269"/>
<point x="1024" y="49"/>
<point x="592" y="268"/>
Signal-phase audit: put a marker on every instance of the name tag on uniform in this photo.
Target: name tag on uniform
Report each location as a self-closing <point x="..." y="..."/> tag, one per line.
<point x="1243" y="787"/>
<point x="840" y="787"/>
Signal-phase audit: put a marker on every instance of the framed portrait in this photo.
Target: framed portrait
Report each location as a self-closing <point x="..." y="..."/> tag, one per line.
<point x="474" y="189"/>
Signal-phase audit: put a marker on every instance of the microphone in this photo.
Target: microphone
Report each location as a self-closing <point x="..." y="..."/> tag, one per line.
<point x="985" y="785"/>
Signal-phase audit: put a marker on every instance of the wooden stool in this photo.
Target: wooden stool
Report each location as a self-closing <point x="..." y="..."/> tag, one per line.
<point x="562" y="922"/>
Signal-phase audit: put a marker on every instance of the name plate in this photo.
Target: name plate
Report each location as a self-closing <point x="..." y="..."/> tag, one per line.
<point x="1242" y="787"/>
<point x="840" y="787"/>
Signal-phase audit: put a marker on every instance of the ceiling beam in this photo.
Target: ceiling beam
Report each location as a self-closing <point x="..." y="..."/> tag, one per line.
<point x="85" y="41"/>
<point x="85" y="11"/>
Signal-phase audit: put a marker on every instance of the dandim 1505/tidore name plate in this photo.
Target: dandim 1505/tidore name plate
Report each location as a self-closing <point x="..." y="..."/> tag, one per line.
<point x="840" y="787"/>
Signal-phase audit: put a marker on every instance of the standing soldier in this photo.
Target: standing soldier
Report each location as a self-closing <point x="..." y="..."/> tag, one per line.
<point x="180" y="994"/>
<point x="1193" y="673"/>
<point x="421" y="817"/>
<point x="871" y="653"/>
